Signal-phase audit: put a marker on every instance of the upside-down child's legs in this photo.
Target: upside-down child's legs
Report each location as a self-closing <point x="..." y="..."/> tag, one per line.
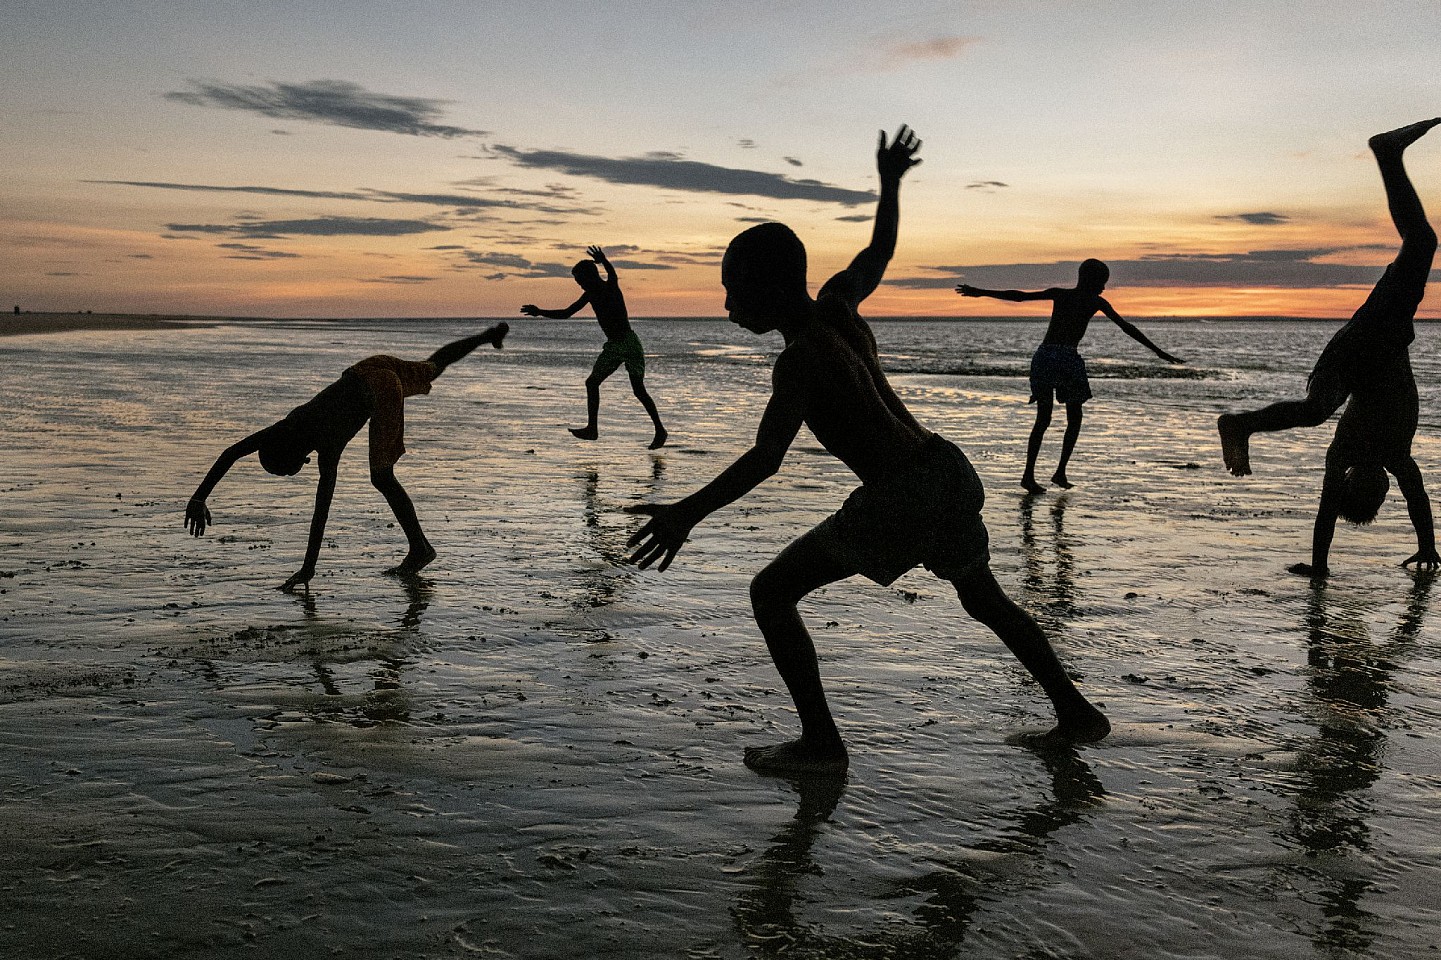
<point x="1044" y="406"/>
<point x="983" y="598"/>
<point x="1075" y="413"/>
<point x="421" y="552"/>
<point x="802" y="567"/>
<point x="452" y="352"/>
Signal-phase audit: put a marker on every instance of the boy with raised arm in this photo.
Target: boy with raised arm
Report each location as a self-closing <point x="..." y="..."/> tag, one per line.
<point x="373" y="389"/>
<point x="1057" y="369"/>
<point x="919" y="500"/>
<point x="622" y="346"/>
<point x="1368" y="361"/>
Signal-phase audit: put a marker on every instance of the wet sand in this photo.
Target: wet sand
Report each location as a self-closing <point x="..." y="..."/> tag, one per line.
<point x="533" y="750"/>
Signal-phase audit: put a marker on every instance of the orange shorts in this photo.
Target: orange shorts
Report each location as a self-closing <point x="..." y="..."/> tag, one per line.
<point x="390" y="380"/>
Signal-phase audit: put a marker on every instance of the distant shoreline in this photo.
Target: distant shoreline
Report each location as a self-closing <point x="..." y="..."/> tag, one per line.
<point x="30" y="324"/>
<point x="24" y="324"/>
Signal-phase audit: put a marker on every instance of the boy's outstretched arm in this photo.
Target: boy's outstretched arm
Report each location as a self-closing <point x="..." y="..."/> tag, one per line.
<point x="670" y="525"/>
<point x="531" y="310"/>
<point x="197" y="514"/>
<point x="1324" y="529"/>
<point x="892" y="161"/>
<point x="1015" y="296"/>
<point x="1130" y="330"/>
<point x="598" y="255"/>
<point x="324" y="493"/>
<point x="1418" y="505"/>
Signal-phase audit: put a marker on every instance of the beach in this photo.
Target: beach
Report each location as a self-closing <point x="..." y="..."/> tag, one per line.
<point x="533" y="749"/>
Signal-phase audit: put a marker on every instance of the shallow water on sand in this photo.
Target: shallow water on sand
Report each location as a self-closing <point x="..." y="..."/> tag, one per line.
<point x="532" y="750"/>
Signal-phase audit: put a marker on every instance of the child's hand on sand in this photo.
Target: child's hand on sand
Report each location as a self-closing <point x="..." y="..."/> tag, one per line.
<point x="301" y="578"/>
<point x="197" y="517"/>
<point x="1426" y="560"/>
<point x="662" y="536"/>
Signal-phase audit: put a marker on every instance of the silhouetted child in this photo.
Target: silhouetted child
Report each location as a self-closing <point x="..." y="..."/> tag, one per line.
<point x="375" y="390"/>
<point x="1368" y="361"/>
<point x="622" y="346"/>
<point x="919" y="502"/>
<point x="1057" y="369"/>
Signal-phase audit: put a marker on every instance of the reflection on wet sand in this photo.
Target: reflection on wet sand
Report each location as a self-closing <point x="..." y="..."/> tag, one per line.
<point x="768" y="913"/>
<point x="1350" y="681"/>
<point x="1052" y="594"/>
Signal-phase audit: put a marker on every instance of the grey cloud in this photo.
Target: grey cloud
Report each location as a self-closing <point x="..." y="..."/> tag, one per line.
<point x="987" y="185"/>
<point x="460" y="201"/>
<point x="335" y="102"/>
<point x="1262" y="218"/>
<point x="397" y="279"/>
<point x="693" y="176"/>
<point x="316" y="227"/>
<point x="249" y="251"/>
<point x="1293" y="269"/>
<point x="640" y="265"/>
<point x="855" y="218"/>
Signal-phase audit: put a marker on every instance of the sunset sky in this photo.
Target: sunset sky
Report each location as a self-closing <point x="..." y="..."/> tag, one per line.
<point x="358" y="158"/>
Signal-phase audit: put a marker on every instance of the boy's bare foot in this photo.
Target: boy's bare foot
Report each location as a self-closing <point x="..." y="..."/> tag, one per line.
<point x="1059" y="479"/>
<point x="1306" y="570"/>
<point x="1085" y="725"/>
<point x="1235" y="445"/>
<point x="414" y="561"/>
<point x="1395" y="141"/>
<point x="584" y="433"/>
<point x="797" y="756"/>
<point x="660" y="438"/>
<point x="1031" y="485"/>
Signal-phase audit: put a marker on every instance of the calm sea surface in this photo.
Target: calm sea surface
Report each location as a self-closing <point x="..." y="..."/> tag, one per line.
<point x="533" y="750"/>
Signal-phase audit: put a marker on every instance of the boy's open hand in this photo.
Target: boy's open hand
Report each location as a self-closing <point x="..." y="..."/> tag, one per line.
<point x="1426" y="560"/>
<point x="966" y="290"/>
<point x="197" y="517"/>
<point x="530" y="310"/>
<point x="662" y="536"/>
<point x="595" y="253"/>
<point x="895" y="158"/>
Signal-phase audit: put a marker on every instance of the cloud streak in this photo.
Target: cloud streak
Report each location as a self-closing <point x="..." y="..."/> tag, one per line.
<point x="1289" y="269"/>
<point x="669" y="172"/>
<point x="456" y="201"/>
<point x="313" y="227"/>
<point x="337" y="103"/>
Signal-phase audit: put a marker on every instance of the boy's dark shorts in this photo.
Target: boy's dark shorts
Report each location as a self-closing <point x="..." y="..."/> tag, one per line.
<point x="1057" y="367"/>
<point x="389" y="381"/>
<point x="626" y="350"/>
<point x="928" y="514"/>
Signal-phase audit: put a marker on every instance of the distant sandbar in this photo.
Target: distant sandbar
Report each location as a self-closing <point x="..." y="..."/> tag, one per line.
<point x="15" y="324"/>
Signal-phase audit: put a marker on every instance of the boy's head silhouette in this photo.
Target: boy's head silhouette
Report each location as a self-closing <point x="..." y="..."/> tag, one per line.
<point x="282" y="452"/>
<point x="1092" y="276"/>
<point x="586" y="274"/>
<point x="1363" y="490"/>
<point x="764" y="269"/>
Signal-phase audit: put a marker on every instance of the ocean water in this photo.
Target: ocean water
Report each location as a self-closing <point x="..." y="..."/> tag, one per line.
<point x="533" y="749"/>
